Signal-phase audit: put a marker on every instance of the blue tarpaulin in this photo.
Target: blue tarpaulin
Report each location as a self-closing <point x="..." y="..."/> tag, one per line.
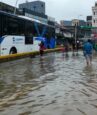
<point x="52" y="42"/>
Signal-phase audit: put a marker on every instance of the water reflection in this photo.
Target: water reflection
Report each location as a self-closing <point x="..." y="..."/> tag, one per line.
<point x="65" y="56"/>
<point x="41" y="63"/>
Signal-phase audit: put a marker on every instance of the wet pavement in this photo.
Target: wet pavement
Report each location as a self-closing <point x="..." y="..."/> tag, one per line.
<point x="53" y="85"/>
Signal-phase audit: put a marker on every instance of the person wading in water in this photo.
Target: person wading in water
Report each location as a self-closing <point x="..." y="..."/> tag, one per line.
<point x="42" y="48"/>
<point x="88" y="51"/>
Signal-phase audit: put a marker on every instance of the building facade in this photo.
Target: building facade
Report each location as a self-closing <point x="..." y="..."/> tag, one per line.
<point x="8" y="8"/>
<point x="94" y="15"/>
<point x="89" y="21"/>
<point x="65" y="23"/>
<point x="29" y="13"/>
<point x="77" y="22"/>
<point x="35" y="15"/>
<point x="36" y="6"/>
<point x="36" y="10"/>
<point x="94" y="19"/>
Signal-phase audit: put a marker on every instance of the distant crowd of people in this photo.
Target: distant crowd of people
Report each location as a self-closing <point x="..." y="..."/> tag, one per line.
<point x="87" y="48"/>
<point x="74" y="46"/>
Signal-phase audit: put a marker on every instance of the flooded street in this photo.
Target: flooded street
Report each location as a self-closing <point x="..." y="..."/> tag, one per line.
<point x="52" y="85"/>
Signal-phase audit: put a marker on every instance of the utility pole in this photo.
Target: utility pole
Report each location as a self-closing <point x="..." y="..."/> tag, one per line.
<point x="75" y="33"/>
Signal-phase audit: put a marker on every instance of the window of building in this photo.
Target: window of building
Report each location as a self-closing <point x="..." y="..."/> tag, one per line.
<point x="95" y="4"/>
<point x="34" y="8"/>
<point x="94" y="13"/>
<point x="42" y="5"/>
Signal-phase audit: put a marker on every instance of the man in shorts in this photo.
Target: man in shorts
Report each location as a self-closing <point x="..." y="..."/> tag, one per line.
<point x="88" y="51"/>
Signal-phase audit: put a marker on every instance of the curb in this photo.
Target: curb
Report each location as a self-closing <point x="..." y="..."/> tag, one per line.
<point x="12" y="57"/>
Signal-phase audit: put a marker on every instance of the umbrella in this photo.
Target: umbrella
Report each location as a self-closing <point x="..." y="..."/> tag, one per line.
<point x="40" y="38"/>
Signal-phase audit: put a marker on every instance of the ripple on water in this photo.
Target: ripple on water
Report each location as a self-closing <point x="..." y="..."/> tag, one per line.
<point x="54" y="85"/>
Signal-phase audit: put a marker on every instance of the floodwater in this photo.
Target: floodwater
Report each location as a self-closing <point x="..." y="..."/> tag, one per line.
<point x="53" y="85"/>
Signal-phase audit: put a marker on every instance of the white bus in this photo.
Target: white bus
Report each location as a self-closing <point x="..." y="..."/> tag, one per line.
<point x="18" y="33"/>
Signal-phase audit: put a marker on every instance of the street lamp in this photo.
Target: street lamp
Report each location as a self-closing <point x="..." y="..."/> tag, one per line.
<point x="79" y="16"/>
<point x="15" y="6"/>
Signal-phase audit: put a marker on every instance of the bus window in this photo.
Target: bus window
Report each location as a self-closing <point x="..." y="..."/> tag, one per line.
<point x="4" y="25"/>
<point x="21" y="28"/>
<point x="28" y="39"/>
<point x="29" y="28"/>
<point x="12" y="26"/>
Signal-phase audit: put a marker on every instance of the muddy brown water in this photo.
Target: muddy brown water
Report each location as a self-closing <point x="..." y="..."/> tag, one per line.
<point x="53" y="85"/>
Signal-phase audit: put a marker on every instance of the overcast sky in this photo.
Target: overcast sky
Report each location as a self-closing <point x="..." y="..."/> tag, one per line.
<point x="64" y="9"/>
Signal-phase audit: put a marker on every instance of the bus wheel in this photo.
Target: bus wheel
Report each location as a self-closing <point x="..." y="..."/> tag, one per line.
<point x="13" y="50"/>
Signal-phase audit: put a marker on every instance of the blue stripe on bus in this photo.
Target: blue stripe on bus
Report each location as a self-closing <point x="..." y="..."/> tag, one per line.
<point x="1" y="39"/>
